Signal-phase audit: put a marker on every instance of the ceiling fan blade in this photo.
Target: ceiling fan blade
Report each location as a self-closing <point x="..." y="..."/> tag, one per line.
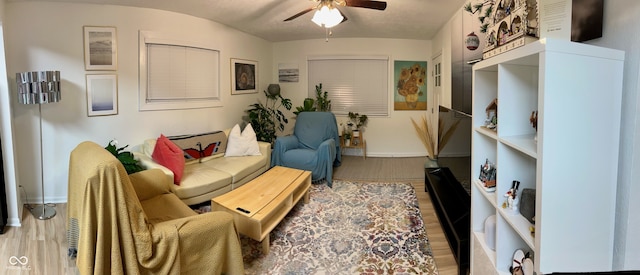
<point x="344" y="17"/>
<point x="299" y="14"/>
<point x="376" y="5"/>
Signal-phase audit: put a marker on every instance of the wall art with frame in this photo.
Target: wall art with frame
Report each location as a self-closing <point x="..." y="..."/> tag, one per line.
<point x="410" y="78"/>
<point x="244" y="76"/>
<point x="102" y="94"/>
<point x="100" y="48"/>
<point x="288" y="72"/>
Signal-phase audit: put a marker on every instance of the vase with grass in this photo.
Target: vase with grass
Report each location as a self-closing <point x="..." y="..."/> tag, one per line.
<point x="434" y="142"/>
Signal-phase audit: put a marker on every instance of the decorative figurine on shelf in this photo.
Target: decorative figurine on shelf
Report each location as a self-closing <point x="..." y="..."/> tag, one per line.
<point x="522" y="263"/>
<point x="492" y="115"/>
<point x="533" y="119"/>
<point x="511" y="203"/>
<point x="488" y="176"/>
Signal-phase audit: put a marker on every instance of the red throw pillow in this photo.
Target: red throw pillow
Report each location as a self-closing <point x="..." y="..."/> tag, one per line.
<point x="169" y="155"/>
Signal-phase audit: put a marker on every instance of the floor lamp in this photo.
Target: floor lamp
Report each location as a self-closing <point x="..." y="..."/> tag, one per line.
<point x="39" y="88"/>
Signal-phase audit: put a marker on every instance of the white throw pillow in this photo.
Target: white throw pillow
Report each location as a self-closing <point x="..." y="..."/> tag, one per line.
<point x="242" y="144"/>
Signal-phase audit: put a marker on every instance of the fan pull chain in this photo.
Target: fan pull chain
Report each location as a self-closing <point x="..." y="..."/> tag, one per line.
<point x="328" y="33"/>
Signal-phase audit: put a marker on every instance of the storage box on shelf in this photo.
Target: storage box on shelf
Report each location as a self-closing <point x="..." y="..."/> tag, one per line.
<point x="571" y="160"/>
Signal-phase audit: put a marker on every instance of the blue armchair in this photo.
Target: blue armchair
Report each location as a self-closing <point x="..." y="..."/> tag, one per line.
<point x="314" y="146"/>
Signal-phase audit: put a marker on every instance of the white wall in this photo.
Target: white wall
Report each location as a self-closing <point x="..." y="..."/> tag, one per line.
<point x="51" y="38"/>
<point x="621" y="32"/>
<point x="386" y="136"/>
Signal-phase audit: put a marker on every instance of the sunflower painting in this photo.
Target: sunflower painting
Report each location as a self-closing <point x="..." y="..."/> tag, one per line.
<point x="410" y="78"/>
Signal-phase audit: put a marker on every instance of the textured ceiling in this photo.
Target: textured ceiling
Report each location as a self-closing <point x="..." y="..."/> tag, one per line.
<point x="404" y="19"/>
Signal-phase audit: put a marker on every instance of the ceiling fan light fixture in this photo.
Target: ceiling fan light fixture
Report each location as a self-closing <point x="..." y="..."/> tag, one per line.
<point x="327" y="17"/>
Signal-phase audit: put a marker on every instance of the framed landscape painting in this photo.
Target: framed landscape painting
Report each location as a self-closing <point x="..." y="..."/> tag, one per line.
<point x="288" y="72"/>
<point x="244" y="76"/>
<point x="100" y="48"/>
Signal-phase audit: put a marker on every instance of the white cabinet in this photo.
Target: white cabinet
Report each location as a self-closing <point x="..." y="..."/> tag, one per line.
<point x="572" y="164"/>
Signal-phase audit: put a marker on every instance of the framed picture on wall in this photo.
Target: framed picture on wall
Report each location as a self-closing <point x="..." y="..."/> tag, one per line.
<point x="100" y="48"/>
<point x="410" y="78"/>
<point x="102" y="94"/>
<point x="244" y="76"/>
<point x="288" y="72"/>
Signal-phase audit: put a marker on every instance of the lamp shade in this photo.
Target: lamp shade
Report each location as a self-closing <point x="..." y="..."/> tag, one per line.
<point x="327" y="17"/>
<point x="38" y="87"/>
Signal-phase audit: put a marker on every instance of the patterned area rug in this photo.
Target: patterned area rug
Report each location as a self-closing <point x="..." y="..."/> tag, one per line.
<point x="352" y="228"/>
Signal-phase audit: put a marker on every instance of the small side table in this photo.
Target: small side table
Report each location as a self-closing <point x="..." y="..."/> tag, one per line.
<point x="356" y="142"/>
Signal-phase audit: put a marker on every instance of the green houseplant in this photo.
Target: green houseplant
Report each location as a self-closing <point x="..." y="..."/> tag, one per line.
<point x="130" y="164"/>
<point x="358" y="120"/>
<point x="267" y="118"/>
<point x="307" y="106"/>
<point x="347" y="138"/>
<point x="321" y="103"/>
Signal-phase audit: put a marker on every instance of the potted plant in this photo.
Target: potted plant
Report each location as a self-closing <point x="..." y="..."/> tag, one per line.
<point x="359" y="121"/>
<point x="321" y="103"/>
<point x="127" y="159"/>
<point x="307" y="106"/>
<point x="266" y="118"/>
<point x="347" y="138"/>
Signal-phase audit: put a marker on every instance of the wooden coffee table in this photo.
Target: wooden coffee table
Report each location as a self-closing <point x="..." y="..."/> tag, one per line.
<point x="259" y="205"/>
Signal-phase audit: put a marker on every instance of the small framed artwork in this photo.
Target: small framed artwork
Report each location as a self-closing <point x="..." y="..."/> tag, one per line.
<point x="244" y="76"/>
<point x="102" y="94"/>
<point x="288" y="72"/>
<point x="100" y="48"/>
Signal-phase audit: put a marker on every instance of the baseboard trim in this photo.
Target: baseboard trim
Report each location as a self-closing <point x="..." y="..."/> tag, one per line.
<point x="405" y="155"/>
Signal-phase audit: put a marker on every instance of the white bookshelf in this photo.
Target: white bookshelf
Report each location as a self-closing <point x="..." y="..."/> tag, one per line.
<point x="576" y="89"/>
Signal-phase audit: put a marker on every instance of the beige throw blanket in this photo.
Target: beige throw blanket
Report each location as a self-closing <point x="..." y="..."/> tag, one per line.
<point x="116" y="235"/>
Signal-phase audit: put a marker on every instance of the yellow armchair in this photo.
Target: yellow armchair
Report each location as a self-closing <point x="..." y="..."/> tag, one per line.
<point x="133" y="224"/>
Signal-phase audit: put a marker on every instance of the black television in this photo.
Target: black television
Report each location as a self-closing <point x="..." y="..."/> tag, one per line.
<point x="456" y="153"/>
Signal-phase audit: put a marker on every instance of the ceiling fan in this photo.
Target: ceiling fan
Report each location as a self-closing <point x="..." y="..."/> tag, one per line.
<point x="331" y="5"/>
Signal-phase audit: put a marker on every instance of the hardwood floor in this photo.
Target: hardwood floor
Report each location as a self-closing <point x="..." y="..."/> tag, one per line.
<point x="44" y="244"/>
<point x="37" y="247"/>
<point x="439" y="245"/>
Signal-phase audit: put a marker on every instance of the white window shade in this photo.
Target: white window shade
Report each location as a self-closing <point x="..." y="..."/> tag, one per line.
<point x="178" y="72"/>
<point x="178" y="75"/>
<point x="354" y="84"/>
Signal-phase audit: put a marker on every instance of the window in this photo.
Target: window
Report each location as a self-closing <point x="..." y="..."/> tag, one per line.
<point x="177" y="75"/>
<point x="354" y="83"/>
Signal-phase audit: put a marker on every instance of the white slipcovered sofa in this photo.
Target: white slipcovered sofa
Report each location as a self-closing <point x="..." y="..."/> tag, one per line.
<point x="210" y="176"/>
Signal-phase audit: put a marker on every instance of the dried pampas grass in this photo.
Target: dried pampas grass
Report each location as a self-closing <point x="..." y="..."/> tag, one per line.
<point x="426" y="135"/>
